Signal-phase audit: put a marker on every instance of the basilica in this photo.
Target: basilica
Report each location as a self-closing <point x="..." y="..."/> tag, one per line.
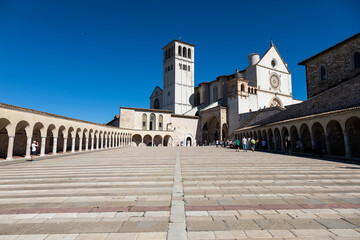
<point x="224" y="104"/>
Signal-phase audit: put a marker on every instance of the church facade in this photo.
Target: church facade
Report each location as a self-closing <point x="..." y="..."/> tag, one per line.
<point x="225" y="103"/>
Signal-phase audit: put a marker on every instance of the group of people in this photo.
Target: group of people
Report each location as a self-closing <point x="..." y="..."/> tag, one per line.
<point x="246" y="144"/>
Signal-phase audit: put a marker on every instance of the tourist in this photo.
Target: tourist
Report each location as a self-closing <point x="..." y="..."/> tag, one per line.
<point x="299" y="145"/>
<point x="287" y="145"/>
<point x="263" y="144"/>
<point x="237" y="142"/>
<point x="253" y="142"/>
<point x="34" y="145"/>
<point x="244" y="141"/>
<point x="217" y="143"/>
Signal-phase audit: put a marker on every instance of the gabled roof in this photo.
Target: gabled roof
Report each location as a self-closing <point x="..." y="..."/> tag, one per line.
<point x="330" y="48"/>
<point x="273" y="45"/>
<point x="157" y="88"/>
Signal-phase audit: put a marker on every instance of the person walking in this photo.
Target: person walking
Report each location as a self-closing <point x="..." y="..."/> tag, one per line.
<point x="237" y="142"/>
<point x="253" y="142"/>
<point x="263" y="144"/>
<point x="244" y="141"/>
<point x="288" y="145"/>
<point x="34" y="145"/>
<point x="217" y="143"/>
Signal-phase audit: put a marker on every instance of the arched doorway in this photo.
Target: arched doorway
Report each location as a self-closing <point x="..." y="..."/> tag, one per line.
<point x="4" y="137"/>
<point x="157" y="140"/>
<point x="136" y="139"/>
<point x="188" y="141"/>
<point x="147" y="140"/>
<point x="319" y="138"/>
<point x="305" y="138"/>
<point x="152" y="125"/>
<point x="167" y="141"/>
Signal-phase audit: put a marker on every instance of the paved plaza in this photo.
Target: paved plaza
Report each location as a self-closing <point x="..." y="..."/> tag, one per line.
<point x="179" y="193"/>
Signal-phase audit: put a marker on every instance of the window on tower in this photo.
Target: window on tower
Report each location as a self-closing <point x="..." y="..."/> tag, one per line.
<point x="184" y="52"/>
<point x="189" y="53"/>
<point x="189" y="68"/>
<point x="180" y="65"/>
<point x="172" y="51"/>
<point x="179" y="51"/>
<point x="185" y="67"/>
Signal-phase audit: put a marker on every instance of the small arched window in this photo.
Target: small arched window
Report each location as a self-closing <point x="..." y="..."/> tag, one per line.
<point x="179" y="51"/>
<point x="172" y="51"/>
<point x="184" y="52"/>
<point x="144" y="120"/>
<point x="189" y="53"/>
<point x="160" y="122"/>
<point x="152" y="122"/>
<point x="357" y="60"/>
<point x="248" y="90"/>
<point x="322" y="73"/>
<point x="242" y="87"/>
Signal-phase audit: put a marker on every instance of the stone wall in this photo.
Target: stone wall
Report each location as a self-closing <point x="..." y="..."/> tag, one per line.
<point x="344" y="95"/>
<point x="338" y="63"/>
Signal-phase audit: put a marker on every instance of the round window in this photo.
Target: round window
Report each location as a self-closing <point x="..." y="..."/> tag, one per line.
<point x="273" y="63"/>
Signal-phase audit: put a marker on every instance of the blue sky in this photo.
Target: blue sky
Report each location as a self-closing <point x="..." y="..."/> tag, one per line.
<point x="85" y="59"/>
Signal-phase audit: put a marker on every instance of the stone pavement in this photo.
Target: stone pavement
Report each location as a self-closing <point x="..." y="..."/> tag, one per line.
<point x="185" y="193"/>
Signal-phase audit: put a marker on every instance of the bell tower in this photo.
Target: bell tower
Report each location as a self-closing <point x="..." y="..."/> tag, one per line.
<point x="178" y="76"/>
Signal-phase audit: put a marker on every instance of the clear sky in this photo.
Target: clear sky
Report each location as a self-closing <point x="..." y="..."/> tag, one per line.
<point x="85" y="59"/>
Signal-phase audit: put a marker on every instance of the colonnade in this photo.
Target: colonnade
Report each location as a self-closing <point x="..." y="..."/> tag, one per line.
<point x="336" y="133"/>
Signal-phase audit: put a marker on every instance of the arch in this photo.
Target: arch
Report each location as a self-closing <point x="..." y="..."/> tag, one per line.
<point x="188" y="141"/>
<point x="152" y="124"/>
<point x="78" y="136"/>
<point x="172" y="51"/>
<point x="157" y="140"/>
<point x="70" y="138"/>
<point x="184" y="52"/>
<point x="50" y="135"/>
<point x="242" y="87"/>
<point x="225" y="131"/>
<point x="305" y="136"/>
<point x="156" y="103"/>
<point x="147" y="140"/>
<point x="189" y="53"/>
<point x="61" y="147"/>
<point x="271" y="139"/>
<point x="22" y="131"/>
<point x="275" y="102"/>
<point x="294" y="138"/>
<point x="144" y="121"/>
<point x="137" y="139"/>
<point x="179" y="50"/>
<point x="277" y="139"/>
<point x="161" y="122"/>
<point x="84" y="137"/>
<point x="167" y="141"/>
<point x="335" y="138"/>
<point x="319" y="137"/>
<point x="5" y="126"/>
<point x="352" y="127"/>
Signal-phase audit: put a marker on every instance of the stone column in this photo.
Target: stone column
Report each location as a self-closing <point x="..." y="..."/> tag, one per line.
<point x="65" y="145"/>
<point x="102" y="143"/>
<point x="10" y="148"/>
<point x="42" y="149"/>
<point x="87" y="144"/>
<point x="328" y="147"/>
<point x="73" y="145"/>
<point x="92" y="143"/>
<point x="54" y="145"/>
<point x="282" y="144"/>
<point x="97" y="143"/>
<point x="268" y="141"/>
<point x="28" y="145"/>
<point x="347" y="145"/>
<point x="80" y="144"/>
<point x="106" y="143"/>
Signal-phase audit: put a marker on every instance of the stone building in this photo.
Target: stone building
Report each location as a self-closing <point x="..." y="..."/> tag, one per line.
<point x="224" y="103"/>
<point x="329" y="121"/>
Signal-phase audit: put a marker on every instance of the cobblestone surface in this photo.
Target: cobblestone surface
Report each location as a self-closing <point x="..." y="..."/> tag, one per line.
<point x="131" y="194"/>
